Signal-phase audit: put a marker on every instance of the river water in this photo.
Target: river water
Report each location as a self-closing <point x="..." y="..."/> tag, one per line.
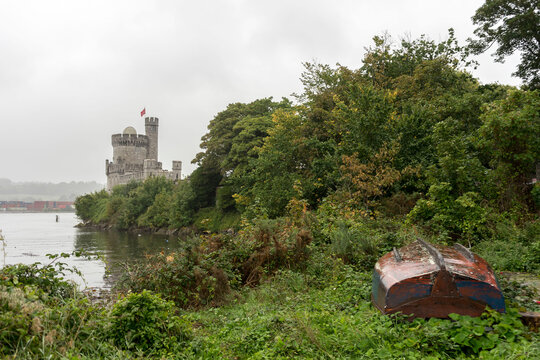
<point x="29" y="237"/>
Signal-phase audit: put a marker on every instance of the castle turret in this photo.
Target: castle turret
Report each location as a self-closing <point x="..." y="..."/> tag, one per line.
<point x="176" y="170"/>
<point x="151" y="128"/>
<point x="129" y="148"/>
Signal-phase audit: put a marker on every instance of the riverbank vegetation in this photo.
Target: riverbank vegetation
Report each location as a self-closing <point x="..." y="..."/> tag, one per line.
<point x="316" y="307"/>
<point x="292" y="203"/>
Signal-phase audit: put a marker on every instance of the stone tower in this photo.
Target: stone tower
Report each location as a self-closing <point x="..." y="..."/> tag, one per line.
<point x="151" y="127"/>
<point x="176" y="170"/>
<point x="129" y="148"/>
<point x="135" y="157"/>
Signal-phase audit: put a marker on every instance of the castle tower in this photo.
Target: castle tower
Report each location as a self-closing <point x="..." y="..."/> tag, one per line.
<point x="129" y="148"/>
<point x="151" y="127"/>
<point x="176" y="170"/>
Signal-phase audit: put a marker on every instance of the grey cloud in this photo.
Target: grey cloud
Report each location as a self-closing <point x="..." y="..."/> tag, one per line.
<point x="74" y="72"/>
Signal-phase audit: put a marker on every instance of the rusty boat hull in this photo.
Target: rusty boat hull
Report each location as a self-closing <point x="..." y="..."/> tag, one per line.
<point x="425" y="280"/>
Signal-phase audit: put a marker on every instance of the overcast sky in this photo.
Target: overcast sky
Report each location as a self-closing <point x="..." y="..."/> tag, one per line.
<point x="72" y="73"/>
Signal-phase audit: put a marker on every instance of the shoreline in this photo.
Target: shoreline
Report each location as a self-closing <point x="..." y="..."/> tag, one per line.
<point x="141" y="230"/>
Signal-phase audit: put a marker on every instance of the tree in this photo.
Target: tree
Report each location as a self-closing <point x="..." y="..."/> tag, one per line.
<point x="384" y="63"/>
<point x="515" y="26"/>
<point x="510" y="133"/>
<point x="268" y="187"/>
<point x="203" y="181"/>
<point x="232" y="140"/>
<point x="182" y="206"/>
<point x="218" y="141"/>
<point x="367" y="181"/>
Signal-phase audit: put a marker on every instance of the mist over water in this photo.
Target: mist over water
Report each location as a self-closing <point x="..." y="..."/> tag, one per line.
<point x="29" y="237"/>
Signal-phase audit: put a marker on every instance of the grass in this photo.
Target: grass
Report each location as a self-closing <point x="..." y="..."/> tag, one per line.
<point x="288" y="318"/>
<point x="290" y="315"/>
<point x="312" y="301"/>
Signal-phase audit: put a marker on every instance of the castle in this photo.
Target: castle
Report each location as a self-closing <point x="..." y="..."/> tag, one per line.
<point x="135" y="156"/>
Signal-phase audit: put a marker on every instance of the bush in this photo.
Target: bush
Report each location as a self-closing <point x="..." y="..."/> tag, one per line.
<point x="462" y="217"/>
<point x="48" y="280"/>
<point x="354" y="247"/>
<point x="269" y="245"/>
<point x="87" y="207"/>
<point x="143" y="322"/>
<point x="44" y="316"/>
<point x="199" y="274"/>
<point x="512" y="247"/>
<point x="158" y="214"/>
<point x="182" y="206"/>
<point x="212" y="219"/>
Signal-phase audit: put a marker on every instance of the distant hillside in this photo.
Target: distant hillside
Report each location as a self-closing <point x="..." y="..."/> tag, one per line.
<point x="32" y="191"/>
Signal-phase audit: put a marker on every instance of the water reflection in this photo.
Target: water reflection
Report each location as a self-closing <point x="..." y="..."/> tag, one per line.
<point x="31" y="236"/>
<point x="121" y="247"/>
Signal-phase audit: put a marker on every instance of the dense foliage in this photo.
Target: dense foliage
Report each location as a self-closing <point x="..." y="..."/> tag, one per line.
<point x="410" y="124"/>
<point x="307" y="195"/>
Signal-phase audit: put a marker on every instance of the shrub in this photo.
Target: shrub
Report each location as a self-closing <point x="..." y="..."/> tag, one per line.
<point x="354" y="247"/>
<point x="269" y="245"/>
<point x="512" y="247"/>
<point x="182" y="206"/>
<point x="214" y="220"/>
<point x="143" y="322"/>
<point x="43" y="316"/>
<point x="88" y="206"/>
<point x="199" y="274"/>
<point x="157" y="215"/>
<point x="462" y="217"/>
<point x="47" y="279"/>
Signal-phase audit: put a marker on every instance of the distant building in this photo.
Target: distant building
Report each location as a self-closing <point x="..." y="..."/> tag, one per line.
<point x="38" y="206"/>
<point x="135" y="156"/>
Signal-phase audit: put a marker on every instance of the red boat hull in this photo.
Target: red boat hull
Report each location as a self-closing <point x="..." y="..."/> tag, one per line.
<point x="423" y="280"/>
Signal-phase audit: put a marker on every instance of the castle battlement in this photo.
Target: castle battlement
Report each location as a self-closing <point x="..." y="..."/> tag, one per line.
<point x="129" y="140"/>
<point x="151" y="164"/>
<point x="135" y="156"/>
<point x="177" y="165"/>
<point x="113" y="168"/>
<point x="151" y="121"/>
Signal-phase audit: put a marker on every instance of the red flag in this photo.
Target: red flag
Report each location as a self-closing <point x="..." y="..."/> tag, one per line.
<point x="143" y="112"/>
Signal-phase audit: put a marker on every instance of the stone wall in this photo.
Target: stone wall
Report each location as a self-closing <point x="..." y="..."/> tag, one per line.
<point x="129" y="149"/>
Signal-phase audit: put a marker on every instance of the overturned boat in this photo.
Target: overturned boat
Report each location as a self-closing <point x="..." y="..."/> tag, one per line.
<point x="425" y="280"/>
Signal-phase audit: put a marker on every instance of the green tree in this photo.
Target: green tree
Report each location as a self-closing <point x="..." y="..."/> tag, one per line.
<point x="157" y="214"/>
<point x="182" y="206"/>
<point x="218" y="141"/>
<point x="269" y="186"/>
<point x="510" y="134"/>
<point x="203" y="182"/>
<point x="515" y="26"/>
<point x="87" y="206"/>
<point x="139" y="199"/>
<point x="384" y="62"/>
<point x="233" y="138"/>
